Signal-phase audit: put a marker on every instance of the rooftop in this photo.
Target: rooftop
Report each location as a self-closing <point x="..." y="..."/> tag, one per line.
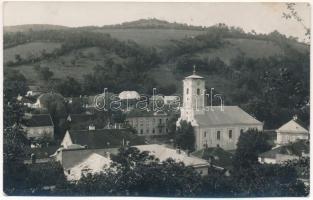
<point x="295" y="148"/>
<point x="93" y="163"/>
<point x="230" y="115"/>
<point x="129" y="95"/>
<point x="217" y="156"/>
<point x="163" y="153"/>
<point x="104" y="138"/>
<point x="293" y="126"/>
<point x="38" y="120"/>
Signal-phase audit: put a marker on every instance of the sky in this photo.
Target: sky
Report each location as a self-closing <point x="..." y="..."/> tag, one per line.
<point x="261" y="17"/>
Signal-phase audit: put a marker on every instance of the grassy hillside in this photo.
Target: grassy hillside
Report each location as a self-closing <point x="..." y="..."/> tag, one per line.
<point x="150" y="37"/>
<point x="150" y="33"/>
<point x="29" y="49"/>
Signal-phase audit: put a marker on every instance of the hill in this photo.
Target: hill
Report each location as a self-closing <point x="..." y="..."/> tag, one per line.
<point x="32" y="27"/>
<point x="251" y="70"/>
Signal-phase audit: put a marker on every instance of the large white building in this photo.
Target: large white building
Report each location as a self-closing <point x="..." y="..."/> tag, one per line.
<point x="215" y="126"/>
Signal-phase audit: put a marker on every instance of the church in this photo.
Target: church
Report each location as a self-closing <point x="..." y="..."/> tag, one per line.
<point x="214" y="126"/>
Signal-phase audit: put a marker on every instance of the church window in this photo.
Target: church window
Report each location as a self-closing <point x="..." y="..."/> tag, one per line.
<point x="187" y="91"/>
<point x="204" y="134"/>
<point x="198" y="91"/>
<point x="218" y="135"/>
<point x="160" y="121"/>
<point x="141" y="131"/>
<point x="230" y="134"/>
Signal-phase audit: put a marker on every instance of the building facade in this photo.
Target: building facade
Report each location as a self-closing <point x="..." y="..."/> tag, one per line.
<point x="39" y="126"/>
<point x="291" y="132"/>
<point x="214" y="126"/>
<point x="149" y="123"/>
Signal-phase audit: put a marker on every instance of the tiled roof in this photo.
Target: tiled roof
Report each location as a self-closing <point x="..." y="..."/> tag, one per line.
<point x="295" y="148"/>
<point x="292" y="126"/>
<point x="38" y="120"/>
<point x="94" y="163"/>
<point x="230" y="115"/>
<point x="163" y="153"/>
<point x="97" y="139"/>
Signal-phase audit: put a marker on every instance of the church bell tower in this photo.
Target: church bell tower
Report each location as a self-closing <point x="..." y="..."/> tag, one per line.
<point x="193" y="97"/>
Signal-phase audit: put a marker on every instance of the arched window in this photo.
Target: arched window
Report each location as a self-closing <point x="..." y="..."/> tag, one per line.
<point x="198" y="91"/>
<point x="187" y="92"/>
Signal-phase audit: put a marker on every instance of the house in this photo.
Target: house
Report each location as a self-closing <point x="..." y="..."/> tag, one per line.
<point x="28" y="101"/>
<point x="38" y="126"/>
<point x="100" y="138"/>
<point x="148" y="123"/>
<point x="163" y="153"/>
<point x="214" y="126"/>
<point x="34" y="91"/>
<point x="291" y="132"/>
<point x="290" y="151"/>
<point x="80" y="121"/>
<point x="77" y="161"/>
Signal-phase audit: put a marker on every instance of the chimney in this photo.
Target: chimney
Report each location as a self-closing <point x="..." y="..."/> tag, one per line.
<point x="92" y="127"/>
<point x="33" y="158"/>
<point x="108" y="155"/>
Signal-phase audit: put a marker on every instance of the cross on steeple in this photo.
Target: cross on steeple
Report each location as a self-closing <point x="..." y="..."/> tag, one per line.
<point x="194" y="69"/>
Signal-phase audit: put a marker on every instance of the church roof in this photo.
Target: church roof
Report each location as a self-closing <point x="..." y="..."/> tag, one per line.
<point x="194" y="76"/>
<point x="230" y="115"/>
<point x="292" y="127"/>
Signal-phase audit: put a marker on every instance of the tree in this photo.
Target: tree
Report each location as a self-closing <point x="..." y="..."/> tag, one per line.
<point x="45" y="73"/>
<point x="250" y="144"/>
<point x="14" y="84"/>
<point x="69" y="87"/>
<point x="185" y="136"/>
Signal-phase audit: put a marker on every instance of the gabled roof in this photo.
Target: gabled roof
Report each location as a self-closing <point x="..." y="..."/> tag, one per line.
<point x="230" y="115"/>
<point x="98" y="139"/>
<point x="38" y="120"/>
<point x="216" y="155"/>
<point x="293" y="126"/>
<point x="163" y="153"/>
<point x="94" y="163"/>
<point x="295" y="149"/>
